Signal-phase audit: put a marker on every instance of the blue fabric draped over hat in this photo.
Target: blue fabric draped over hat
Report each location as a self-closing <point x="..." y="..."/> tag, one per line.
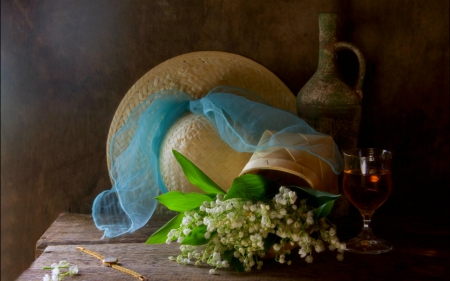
<point x="239" y="120"/>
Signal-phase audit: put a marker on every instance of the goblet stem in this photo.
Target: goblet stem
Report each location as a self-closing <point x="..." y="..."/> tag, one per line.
<point x="366" y="242"/>
<point x="366" y="232"/>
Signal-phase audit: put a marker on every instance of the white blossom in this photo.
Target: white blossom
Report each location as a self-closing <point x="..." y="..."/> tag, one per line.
<point x="73" y="270"/>
<point x="241" y="227"/>
<point x="55" y="271"/>
<point x="58" y="271"/>
<point x="332" y="231"/>
<point x="63" y="264"/>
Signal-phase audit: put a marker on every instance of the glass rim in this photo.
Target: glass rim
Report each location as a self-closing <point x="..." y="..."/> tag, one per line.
<point x="362" y="152"/>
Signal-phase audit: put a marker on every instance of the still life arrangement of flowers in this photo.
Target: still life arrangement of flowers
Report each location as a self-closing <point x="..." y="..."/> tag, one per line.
<point x="255" y="220"/>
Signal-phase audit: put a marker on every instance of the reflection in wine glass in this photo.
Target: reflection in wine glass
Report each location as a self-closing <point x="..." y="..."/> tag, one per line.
<point x="367" y="184"/>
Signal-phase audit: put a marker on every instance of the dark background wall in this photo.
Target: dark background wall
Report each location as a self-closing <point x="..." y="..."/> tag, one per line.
<point x="65" y="66"/>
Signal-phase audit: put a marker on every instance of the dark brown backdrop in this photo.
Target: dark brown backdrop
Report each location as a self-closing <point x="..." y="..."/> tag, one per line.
<point x="65" y="66"/>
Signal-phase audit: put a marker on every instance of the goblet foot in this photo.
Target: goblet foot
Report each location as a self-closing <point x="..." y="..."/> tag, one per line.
<point x="368" y="245"/>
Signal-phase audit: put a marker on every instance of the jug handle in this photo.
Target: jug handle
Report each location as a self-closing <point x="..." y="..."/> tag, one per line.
<point x="362" y="64"/>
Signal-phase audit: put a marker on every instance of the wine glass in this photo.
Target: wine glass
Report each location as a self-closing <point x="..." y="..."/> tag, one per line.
<point x="367" y="184"/>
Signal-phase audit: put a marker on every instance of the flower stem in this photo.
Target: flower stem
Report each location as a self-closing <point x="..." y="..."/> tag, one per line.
<point x="49" y="267"/>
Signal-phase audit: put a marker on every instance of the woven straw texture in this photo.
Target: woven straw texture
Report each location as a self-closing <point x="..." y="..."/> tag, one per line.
<point x="196" y="74"/>
<point x="301" y="165"/>
<point x="195" y="137"/>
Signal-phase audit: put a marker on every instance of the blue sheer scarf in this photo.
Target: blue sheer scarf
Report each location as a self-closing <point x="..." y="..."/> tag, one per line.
<point x="239" y="116"/>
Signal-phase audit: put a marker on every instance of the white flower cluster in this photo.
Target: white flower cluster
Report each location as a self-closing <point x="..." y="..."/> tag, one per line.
<point x="56" y="272"/>
<point x="240" y="227"/>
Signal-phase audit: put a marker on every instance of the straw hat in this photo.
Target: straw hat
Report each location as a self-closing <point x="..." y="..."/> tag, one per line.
<point x="297" y="167"/>
<point x="193" y="136"/>
<point x="293" y="166"/>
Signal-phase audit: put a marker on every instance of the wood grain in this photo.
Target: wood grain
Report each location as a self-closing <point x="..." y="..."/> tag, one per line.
<point x="421" y="252"/>
<point x="403" y="263"/>
<point x="76" y="229"/>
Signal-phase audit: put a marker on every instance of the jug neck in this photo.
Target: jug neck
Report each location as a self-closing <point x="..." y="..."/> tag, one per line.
<point x="327" y="39"/>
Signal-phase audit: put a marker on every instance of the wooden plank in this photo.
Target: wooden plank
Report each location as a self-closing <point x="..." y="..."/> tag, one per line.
<point x="76" y="229"/>
<point x="421" y="251"/>
<point x="406" y="262"/>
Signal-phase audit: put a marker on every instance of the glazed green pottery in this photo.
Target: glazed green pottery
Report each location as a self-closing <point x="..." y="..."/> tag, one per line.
<point x="325" y="102"/>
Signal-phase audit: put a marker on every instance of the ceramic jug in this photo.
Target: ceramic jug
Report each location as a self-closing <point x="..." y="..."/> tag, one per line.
<point x="325" y="102"/>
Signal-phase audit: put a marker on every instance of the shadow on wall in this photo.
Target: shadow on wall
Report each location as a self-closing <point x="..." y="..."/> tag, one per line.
<point x="405" y="107"/>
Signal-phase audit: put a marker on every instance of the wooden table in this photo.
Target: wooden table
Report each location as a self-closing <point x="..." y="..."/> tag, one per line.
<point x="421" y="252"/>
<point x="79" y="229"/>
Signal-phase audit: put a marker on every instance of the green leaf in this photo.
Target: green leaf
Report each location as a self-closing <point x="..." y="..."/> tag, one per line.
<point x="160" y="236"/>
<point x="197" y="236"/>
<point x="270" y="240"/>
<point x="248" y="187"/>
<point x="323" y="210"/>
<point x="315" y="197"/>
<point x="237" y="265"/>
<point x="180" y="202"/>
<point x="196" y="176"/>
<point x="228" y="255"/>
<point x="234" y="262"/>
